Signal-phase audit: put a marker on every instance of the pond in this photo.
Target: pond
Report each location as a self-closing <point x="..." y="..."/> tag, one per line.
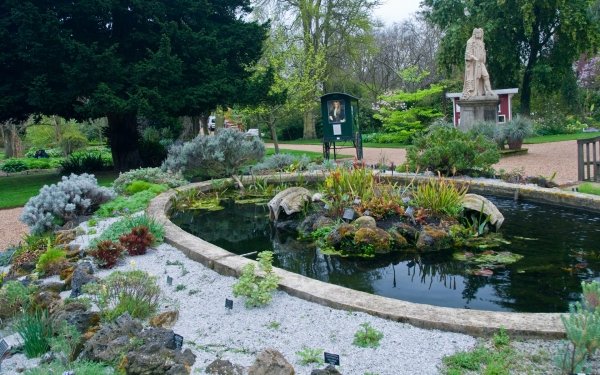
<point x="561" y="248"/>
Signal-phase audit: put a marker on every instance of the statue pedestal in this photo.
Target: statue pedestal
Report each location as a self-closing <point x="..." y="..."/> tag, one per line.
<point x="477" y="109"/>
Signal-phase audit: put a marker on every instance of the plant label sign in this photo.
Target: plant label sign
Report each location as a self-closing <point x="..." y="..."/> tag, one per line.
<point x="178" y="341"/>
<point x="332" y="359"/>
<point x="169" y="280"/>
<point x="3" y="350"/>
<point x="228" y="303"/>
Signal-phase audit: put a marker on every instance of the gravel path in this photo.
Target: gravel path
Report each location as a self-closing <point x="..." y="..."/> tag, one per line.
<point x="11" y="229"/>
<point x="542" y="159"/>
<point x="287" y="324"/>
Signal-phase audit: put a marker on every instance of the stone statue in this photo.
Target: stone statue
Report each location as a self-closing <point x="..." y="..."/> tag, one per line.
<point x="477" y="79"/>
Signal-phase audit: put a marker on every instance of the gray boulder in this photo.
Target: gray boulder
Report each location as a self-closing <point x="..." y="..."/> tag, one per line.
<point x="271" y="362"/>
<point x="111" y="340"/>
<point x="83" y="274"/>
<point x="365" y="222"/>
<point x="224" y="367"/>
<point x="329" y="370"/>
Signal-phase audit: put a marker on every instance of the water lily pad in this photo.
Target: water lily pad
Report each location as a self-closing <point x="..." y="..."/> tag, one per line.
<point x="488" y="257"/>
<point x="482" y="272"/>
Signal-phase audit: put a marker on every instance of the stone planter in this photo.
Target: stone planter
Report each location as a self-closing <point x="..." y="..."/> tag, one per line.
<point x="515" y="144"/>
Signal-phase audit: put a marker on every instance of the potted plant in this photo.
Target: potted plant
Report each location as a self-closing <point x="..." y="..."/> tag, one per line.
<point x="516" y="130"/>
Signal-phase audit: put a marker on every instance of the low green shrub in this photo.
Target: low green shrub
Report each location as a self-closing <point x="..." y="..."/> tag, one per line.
<point x="310" y="355"/>
<point x="135" y="292"/>
<point x="127" y="223"/>
<point x="589" y="188"/>
<point x="14" y="297"/>
<point x="13" y="166"/>
<point x="498" y="358"/>
<point x="152" y="175"/>
<point x="126" y="204"/>
<point x="257" y="289"/>
<point x="79" y="163"/>
<point x="77" y="367"/>
<point x="441" y="196"/>
<point x="52" y="261"/>
<point x="66" y="341"/>
<point x="139" y="185"/>
<point x="367" y="337"/>
<point x="449" y="151"/>
<point x="35" y="329"/>
<point x="582" y="326"/>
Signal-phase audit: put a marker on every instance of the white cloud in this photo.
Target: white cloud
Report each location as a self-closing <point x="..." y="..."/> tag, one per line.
<point x="391" y="11"/>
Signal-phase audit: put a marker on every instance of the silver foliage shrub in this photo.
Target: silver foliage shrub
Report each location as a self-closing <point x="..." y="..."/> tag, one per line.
<point x="277" y="162"/>
<point x="221" y="155"/>
<point x="153" y="175"/>
<point x="58" y="203"/>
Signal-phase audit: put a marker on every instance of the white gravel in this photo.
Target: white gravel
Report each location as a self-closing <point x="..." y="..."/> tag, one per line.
<point x="288" y="324"/>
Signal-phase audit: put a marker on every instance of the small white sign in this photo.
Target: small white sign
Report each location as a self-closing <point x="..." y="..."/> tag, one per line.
<point x="337" y="129"/>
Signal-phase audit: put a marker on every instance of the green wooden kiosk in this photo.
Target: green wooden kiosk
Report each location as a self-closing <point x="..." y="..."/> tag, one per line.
<point x="340" y="123"/>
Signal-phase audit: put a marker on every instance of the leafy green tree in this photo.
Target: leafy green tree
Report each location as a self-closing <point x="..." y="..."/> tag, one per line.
<point x="526" y="40"/>
<point x="123" y="60"/>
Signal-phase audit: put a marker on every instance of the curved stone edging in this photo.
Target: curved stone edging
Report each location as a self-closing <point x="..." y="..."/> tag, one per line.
<point x="473" y="322"/>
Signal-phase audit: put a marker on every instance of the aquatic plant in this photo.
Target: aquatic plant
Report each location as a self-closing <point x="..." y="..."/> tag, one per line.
<point x="441" y="196"/>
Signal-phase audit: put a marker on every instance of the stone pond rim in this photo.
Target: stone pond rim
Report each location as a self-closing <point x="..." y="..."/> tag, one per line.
<point x="472" y="322"/>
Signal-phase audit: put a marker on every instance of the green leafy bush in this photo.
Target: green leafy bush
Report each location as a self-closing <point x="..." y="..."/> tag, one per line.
<point x="14" y="296"/>
<point x="52" y="261"/>
<point x="441" y="196"/>
<point x="257" y="289"/>
<point x="127" y="204"/>
<point x="77" y="367"/>
<point x="35" y="329"/>
<point x="72" y="141"/>
<point x="79" y="163"/>
<point x="219" y="156"/>
<point x="152" y="175"/>
<point x="367" y="337"/>
<point x="135" y="292"/>
<point x="310" y="355"/>
<point x="66" y="340"/>
<point x="126" y="224"/>
<point x="139" y="185"/>
<point x="449" y="151"/>
<point x="13" y="166"/>
<point x="516" y="130"/>
<point x="582" y="326"/>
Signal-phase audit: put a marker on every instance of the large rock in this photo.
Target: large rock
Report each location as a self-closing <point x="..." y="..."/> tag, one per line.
<point x="83" y="274"/>
<point x="433" y="239"/>
<point x="481" y="204"/>
<point x="46" y="300"/>
<point x="138" y="352"/>
<point x="77" y="315"/>
<point x="380" y="240"/>
<point x="341" y="236"/>
<point x="407" y="231"/>
<point x="271" y="362"/>
<point x="158" y="355"/>
<point x="365" y="222"/>
<point x="291" y="200"/>
<point x="313" y="222"/>
<point x="166" y="319"/>
<point x="224" y="367"/>
<point x="329" y="370"/>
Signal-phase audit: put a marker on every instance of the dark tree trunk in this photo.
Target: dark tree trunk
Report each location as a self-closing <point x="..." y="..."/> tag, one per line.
<point x="527" y="77"/>
<point x="124" y="136"/>
<point x="12" y="142"/>
<point x="204" y="123"/>
<point x="195" y="126"/>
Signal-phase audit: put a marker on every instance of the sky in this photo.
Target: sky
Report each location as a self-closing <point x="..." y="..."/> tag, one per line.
<point x="391" y="11"/>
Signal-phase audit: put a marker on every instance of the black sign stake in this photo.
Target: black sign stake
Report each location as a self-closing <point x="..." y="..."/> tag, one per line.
<point x="228" y="303"/>
<point x="169" y="280"/>
<point x="332" y="359"/>
<point x="178" y="341"/>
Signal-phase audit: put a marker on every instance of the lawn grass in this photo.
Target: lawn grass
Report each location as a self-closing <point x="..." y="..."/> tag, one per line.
<point x="560" y="137"/>
<point x="16" y="190"/>
<point x="589" y="188"/>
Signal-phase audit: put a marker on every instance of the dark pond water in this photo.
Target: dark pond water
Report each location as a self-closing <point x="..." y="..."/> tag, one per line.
<point x="561" y="248"/>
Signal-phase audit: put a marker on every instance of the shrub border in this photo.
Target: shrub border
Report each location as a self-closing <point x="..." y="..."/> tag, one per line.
<point x="473" y="322"/>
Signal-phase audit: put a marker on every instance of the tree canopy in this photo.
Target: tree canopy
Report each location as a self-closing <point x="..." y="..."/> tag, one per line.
<point x="525" y="39"/>
<point x="124" y="59"/>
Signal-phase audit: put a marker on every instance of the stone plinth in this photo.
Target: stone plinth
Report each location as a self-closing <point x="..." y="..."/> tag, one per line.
<point x="477" y="109"/>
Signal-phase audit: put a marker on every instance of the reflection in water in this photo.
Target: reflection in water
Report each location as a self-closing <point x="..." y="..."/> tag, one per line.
<point x="560" y="247"/>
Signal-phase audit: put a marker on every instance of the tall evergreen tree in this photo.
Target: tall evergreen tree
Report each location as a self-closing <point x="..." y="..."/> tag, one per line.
<point x="123" y="59"/>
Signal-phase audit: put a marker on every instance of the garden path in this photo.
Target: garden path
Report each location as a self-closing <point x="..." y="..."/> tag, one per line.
<point x="542" y="159"/>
